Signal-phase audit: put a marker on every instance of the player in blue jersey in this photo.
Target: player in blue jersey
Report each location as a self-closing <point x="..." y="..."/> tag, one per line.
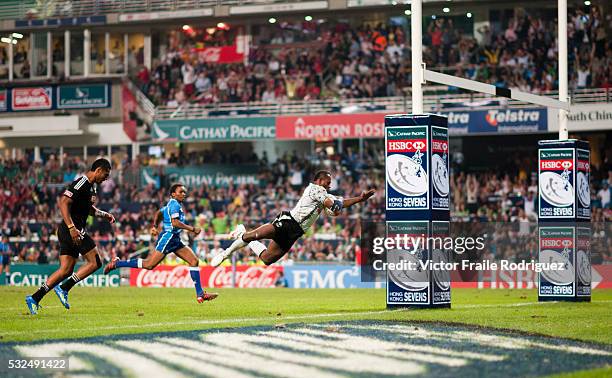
<point x="169" y="241"/>
<point x="5" y="259"/>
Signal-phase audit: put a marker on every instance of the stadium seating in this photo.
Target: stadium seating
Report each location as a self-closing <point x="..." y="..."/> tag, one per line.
<point x="30" y="214"/>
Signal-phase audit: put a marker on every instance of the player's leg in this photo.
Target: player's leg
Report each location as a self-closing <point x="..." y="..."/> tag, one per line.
<point x="6" y="267"/>
<point x="90" y="253"/>
<point x="244" y="238"/>
<point x="266" y="231"/>
<point x="153" y="259"/>
<point x="190" y="258"/>
<point x="271" y="254"/>
<point x="66" y="267"/>
<point x="286" y="232"/>
<point x="92" y="263"/>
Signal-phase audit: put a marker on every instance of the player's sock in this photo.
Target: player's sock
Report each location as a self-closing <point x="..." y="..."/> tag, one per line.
<point x="40" y="293"/>
<point x="135" y="263"/>
<point x="236" y="245"/>
<point x="194" y="271"/>
<point x="7" y="278"/>
<point x="257" y="247"/>
<point x="70" y="282"/>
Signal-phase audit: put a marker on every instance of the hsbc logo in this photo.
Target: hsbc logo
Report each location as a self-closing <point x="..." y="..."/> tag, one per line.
<point x="418" y="145"/>
<point x="556" y="243"/>
<point x="496" y="117"/>
<point x="556" y="164"/>
<point x="405" y="145"/>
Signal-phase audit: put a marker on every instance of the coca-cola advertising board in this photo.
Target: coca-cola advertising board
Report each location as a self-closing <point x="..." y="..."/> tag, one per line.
<point x="247" y="276"/>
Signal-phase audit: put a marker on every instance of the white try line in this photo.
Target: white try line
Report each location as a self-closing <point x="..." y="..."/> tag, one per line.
<point x="477" y="86"/>
<point x="277" y="319"/>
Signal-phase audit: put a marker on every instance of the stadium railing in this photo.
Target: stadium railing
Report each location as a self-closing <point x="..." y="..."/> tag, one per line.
<point x="437" y="102"/>
<point x="21" y="9"/>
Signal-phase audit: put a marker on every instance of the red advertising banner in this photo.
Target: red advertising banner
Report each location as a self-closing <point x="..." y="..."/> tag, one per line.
<point x="34" y="98"/>
<point x="222" y="54"/>
<point x="129" y="106"/>
<point x="3" y="100"/>
<point x="252" y="276"/>
<point x="331" y="126"/>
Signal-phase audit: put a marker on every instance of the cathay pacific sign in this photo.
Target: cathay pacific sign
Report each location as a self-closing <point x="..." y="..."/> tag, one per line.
<point x="216" y="129"/>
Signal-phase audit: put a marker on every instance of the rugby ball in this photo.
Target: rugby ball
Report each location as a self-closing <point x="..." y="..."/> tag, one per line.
<point x="330" y="213"/>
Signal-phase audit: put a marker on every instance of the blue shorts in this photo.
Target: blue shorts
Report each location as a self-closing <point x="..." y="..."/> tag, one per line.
<point x="5" y="260"/>
<point x="168" y="243"/>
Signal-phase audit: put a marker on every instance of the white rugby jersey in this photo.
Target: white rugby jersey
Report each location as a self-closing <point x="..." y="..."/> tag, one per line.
<point x="310" y="205"/>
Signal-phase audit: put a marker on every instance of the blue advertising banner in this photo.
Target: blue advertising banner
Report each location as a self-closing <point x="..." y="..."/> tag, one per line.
<point x="69" y="21"/>
<point x="215" y="175"/>
<point x="83" y="96"/>
<point x="325" y="277"/>
<point x="500" y="121"/>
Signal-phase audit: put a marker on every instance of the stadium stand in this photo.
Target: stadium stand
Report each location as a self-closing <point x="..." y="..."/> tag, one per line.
<point x="364" y="61"/>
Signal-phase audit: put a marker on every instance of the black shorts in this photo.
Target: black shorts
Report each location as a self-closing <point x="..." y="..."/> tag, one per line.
<point x="6" y="260"/>
<point x="67" y="246"/>
<point x="288" y="230"/>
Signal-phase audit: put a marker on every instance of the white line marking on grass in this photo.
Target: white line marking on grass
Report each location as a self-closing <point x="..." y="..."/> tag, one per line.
<point x="147" y="326"/>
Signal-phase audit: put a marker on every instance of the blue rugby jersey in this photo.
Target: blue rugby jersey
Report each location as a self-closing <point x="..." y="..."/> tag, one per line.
<point x="173" y="209"/>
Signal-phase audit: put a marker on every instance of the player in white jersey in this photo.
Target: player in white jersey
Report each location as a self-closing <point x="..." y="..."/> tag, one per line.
<point x="289" y="226"/>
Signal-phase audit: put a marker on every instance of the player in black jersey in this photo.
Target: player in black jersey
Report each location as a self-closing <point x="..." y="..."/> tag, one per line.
<point x="75" y="205"/>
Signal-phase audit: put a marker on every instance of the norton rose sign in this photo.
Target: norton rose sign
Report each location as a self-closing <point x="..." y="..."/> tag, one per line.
<point x="255" y="276"/>
<point x="330" y="126"/>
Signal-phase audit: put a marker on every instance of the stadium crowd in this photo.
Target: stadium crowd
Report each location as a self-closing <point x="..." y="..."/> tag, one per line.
<point x="313" y="60"/>
<point x="29" y="192"/>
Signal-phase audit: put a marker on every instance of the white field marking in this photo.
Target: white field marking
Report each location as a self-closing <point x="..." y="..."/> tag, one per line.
<point x="333" y="357"/>
<point x="279" y="319"/>
<point x="522" y="343"/>
<point x="355" y="345"/>
<point x="131" y="364"/>
<point x="188" y="358"/>
<point x="24" y="307"/>
<point x="507" y="342"/>
<point x="417" y="348"/>
<point x="359" y="344"/>
<point x="257" y="359"/>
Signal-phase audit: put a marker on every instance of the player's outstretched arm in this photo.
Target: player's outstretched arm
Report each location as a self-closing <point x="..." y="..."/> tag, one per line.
<point x="348" y="202"/>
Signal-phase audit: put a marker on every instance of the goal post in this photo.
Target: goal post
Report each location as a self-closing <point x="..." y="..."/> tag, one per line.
<point x="420" y="75"/>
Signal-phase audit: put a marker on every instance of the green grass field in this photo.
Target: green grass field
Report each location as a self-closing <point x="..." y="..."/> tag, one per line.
<point x="126" y="310"/>
<point x="100" y="312"/>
